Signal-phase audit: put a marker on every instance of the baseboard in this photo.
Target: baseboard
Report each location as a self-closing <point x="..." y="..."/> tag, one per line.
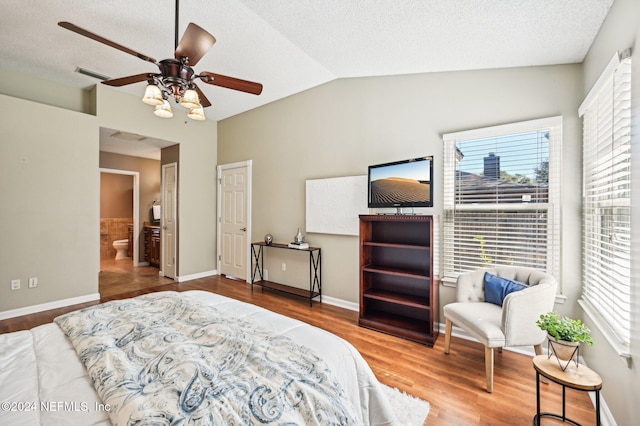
<point x="340" y="303"/>
<point x="606" y="417"/>
<point x="28" y="310"/>
<point x="204" y="274"/>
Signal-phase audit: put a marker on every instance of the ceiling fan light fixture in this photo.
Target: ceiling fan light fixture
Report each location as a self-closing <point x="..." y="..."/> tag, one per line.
<point x="164" y="110"/>
<point x="153" y="96"/>
<point x="196" y="114"/>
<point x="190" y="99"/>
<point x="176" y="76"/>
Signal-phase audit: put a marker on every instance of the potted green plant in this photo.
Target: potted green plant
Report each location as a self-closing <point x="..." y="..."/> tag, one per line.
<point x="565" y="334"/>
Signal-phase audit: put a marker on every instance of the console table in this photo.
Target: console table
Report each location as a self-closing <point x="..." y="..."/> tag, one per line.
<point x="315" y="277"/>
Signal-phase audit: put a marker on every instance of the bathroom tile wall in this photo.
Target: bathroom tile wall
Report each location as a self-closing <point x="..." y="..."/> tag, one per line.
<point x="112" y="229"/>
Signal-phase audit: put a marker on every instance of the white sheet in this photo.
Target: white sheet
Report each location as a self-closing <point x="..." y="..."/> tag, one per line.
<point x="43" y="382"/>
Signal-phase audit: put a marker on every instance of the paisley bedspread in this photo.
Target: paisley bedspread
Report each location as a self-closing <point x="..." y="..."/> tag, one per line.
<point x="164" y="358"/>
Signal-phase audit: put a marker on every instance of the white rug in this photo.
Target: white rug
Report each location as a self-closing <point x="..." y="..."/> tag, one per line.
<point x="409" y="410"/>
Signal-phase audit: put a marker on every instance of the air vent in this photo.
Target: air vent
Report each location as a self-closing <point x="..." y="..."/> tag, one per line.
<point x="92" y="73"/>
<point x="128" y="136"/>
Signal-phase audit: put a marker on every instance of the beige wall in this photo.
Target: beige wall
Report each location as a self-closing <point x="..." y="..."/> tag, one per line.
<point x="197" y="170"/>
<point x="333" y="130"/>
<point x="50" y="209"/>
<point x="170" y="154"/>
<point x="46" y="92"/>
<point x="338" y="129"/>
<point x="116" y="211"/>
<point x="116" y="195"/>
<point x="621" y="382"/>
<point x="149" y="171"/>
<point x="341" y="127"/>
<point x="149" y="174"/>
<point x="50" y="180"/>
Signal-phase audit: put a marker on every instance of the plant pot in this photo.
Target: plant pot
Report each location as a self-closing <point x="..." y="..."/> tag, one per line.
<point x="562" y="349"/>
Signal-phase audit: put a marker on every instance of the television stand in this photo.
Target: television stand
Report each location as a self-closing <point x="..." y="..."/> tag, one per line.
<point x="398" y="212"/>
<point x="398" y="290"/>
<point x="315" y="282"/>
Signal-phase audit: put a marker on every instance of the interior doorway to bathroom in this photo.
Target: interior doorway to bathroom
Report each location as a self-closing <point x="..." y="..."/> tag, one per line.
<point x="140" y="158"/>
<point x="119" y="221"/>
<point x="119" y="213"/>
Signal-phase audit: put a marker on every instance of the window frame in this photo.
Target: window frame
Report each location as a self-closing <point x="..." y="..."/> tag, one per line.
<point x="608" y="107"/>
<point x="552" y="206"/>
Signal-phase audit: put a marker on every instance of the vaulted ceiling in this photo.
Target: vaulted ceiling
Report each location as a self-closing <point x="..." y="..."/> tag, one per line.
<point x="293" y="45"/>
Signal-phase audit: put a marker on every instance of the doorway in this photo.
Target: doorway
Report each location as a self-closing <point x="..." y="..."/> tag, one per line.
<point x="234" y="219"/>
<point x="119" y="212"/>
<point x="141" y="156"/>
<point x="119" y="220"/>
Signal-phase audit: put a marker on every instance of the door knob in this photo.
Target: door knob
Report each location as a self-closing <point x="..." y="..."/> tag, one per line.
<point x="243" y="229"/>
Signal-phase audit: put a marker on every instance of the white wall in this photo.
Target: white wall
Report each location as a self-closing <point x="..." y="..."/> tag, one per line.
<point x="338" y="129"/>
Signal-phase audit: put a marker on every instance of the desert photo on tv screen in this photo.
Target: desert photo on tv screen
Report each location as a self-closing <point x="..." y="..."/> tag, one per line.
<point x="406" y="183"/>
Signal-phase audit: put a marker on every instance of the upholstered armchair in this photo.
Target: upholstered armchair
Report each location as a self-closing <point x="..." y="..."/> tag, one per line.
<point x="495" y="326"/>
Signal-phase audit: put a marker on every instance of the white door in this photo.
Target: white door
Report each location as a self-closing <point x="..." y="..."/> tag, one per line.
<point x="234" y="184"/>
<point x="168" y="219"/>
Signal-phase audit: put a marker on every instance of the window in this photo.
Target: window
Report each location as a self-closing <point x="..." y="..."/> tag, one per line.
<point x="501" y="197"/>
<point x="606" y="203"/>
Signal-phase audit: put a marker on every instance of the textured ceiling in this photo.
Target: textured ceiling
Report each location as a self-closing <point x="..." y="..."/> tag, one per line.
<point x="293" y="45"/>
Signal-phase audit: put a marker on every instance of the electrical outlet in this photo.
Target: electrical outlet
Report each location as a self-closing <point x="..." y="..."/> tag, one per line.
<point x="265" y="274"/>
<point x="15" y="284"/>
<point x="284" y="266"/>
<point x="33" y="282"/>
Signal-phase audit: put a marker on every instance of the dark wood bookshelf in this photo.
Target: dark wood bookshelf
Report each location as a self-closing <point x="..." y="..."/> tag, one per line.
<point x="395" y="297"/>
<point x="398" y="292"/>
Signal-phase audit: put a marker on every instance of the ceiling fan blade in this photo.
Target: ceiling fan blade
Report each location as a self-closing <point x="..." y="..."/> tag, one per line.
<point x="123" y="81"/>
<point x="203" y="99"/>
<point x="194" y="44"/>
<point x="231" y="83"/>
<point x="71" y="27"/>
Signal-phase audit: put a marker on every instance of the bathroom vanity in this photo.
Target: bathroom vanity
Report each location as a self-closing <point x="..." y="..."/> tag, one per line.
<point x="130" y="238"/>
<point x="152" y="244"/>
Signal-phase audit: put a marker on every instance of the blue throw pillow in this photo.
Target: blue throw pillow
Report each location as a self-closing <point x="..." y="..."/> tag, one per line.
<point x="497" y="288"/>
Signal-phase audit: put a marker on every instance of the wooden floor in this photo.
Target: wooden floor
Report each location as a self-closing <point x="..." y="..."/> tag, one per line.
<point x="453" y="384"/>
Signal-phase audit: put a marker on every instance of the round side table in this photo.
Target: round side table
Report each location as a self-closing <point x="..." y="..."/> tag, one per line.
<point x="578" y="377"/>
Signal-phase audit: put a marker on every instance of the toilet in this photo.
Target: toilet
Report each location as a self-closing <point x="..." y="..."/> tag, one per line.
<point x="121" y="247"/>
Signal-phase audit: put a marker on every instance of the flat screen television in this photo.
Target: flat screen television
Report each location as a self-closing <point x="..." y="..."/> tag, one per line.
<point x="406" y="183"/>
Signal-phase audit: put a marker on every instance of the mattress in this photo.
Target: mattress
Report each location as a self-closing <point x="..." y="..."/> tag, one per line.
<point x="43" y="381"/>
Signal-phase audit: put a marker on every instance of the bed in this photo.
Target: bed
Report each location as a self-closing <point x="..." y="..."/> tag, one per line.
<point x="188" y="358"/>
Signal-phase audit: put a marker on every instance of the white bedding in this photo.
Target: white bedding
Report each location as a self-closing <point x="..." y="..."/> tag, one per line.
<point x="42" y="381"/>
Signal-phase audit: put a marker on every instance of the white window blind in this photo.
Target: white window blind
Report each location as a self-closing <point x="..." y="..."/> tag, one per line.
<point x="501" y="197"/>
<point x="606" y="215"/>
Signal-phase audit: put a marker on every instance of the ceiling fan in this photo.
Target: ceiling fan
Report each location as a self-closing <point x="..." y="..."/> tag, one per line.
<point x="176" y="77"/>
